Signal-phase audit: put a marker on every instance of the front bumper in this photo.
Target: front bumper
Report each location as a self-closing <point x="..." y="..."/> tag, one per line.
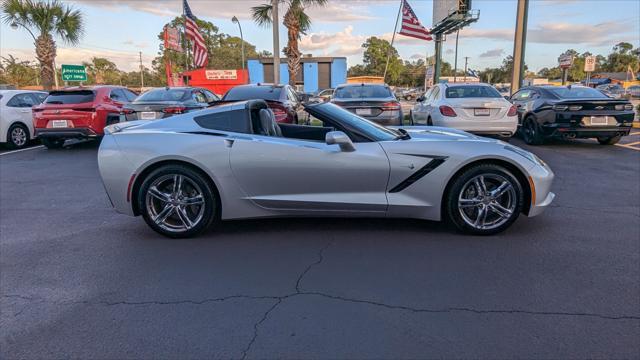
<point x="540" y="180"/>
<point x="65" y="133"/>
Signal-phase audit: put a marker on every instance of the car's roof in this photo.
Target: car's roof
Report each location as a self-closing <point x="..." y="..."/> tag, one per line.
<point x="16" y="91"/>
<point x="466" y="84"/>
<point x="260" y="85"/>
<point x="90" y="87"/>
<point x="362" y="84"/>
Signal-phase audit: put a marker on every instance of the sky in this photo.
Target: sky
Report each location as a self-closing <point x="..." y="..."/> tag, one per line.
<point x="120" y="29"/>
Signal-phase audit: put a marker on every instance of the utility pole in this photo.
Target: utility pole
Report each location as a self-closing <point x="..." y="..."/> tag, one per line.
<point x="519" y="45"/>
<point x="276" y="41"/>
<point x="466" y="60"/>
<point x="438" y="59"/>
<point x="141" y="72"/>
<point x="455" y="62"/>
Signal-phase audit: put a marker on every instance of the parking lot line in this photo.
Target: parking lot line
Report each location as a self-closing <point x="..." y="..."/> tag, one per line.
<point x="632" y="146"/>
<point x="20" y="150"/>
<point x="638" y="133"/>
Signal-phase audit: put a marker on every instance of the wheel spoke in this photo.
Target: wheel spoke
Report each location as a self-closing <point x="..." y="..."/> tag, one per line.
<point x="184" y="217"/>
<point x="466" y="203"/>
<point x="480" y="185"/>
<point x="481" y="219"/>
<point x="156" y="193"/>
<point x="164" y="214"/>
<point x="504" y="187"/>
<point x="195" y="200"/>
<point x="177" y="185"/>
<point x="500" y="210"/>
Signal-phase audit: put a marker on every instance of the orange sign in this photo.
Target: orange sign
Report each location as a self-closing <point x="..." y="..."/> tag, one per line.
<point x="172" y="39"/>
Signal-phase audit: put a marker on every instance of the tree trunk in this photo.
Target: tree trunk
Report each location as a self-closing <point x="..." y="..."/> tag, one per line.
<point x="292" y="51"/>
<point x="46" y="54"/>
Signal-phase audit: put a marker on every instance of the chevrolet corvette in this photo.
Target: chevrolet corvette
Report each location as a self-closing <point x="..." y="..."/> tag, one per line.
<point x="234" y="161"/>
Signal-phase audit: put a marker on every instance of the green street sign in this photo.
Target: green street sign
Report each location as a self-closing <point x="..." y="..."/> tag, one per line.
<point x="74" y="73"/>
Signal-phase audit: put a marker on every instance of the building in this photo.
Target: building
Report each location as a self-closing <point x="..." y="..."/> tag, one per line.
<point x="315" y="74"/>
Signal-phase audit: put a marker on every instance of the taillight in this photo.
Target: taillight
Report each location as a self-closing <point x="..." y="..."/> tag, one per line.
<point x="447" y="111"/>
<point x="393" y="105"/>
<point x="85" y="109"/>
<point x="513" y="111"/>
<point x="174" y="110"/>
<point x="279" y="114"/>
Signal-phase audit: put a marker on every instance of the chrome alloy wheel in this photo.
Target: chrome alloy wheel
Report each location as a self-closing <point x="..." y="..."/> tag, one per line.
<point x="18" y="136"/>
<point x="487" y="201"/>
<point x="175" y="203"/>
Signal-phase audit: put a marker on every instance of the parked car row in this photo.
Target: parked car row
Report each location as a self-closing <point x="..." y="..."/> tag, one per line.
<point x="536" y="112"/>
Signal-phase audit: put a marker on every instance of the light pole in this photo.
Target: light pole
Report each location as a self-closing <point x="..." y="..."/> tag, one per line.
<point x="236" y="21"/>
<point x="276" y="41"/>
<point x="14" y="25"/>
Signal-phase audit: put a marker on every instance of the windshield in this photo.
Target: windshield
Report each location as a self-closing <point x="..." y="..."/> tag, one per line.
<point x="253" y="92"/>
<point x="472" y="92"/>
<point x="165" y="95"/>
<point x="362" y="92"/>
<point x="70" y="97"/>
<point x="577" y="92"/>
<point x="353" y="123"/>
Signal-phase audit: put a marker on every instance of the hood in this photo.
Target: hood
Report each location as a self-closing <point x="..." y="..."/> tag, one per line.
<point x="436" y="133"/>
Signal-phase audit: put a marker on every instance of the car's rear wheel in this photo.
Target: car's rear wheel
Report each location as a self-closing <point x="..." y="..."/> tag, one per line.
<point x="484" y="200"/>
<point x="609" y="140"/>
<point x="531" y="132"/>
<point x="52" y="143"/>
<point x="429" y="121"/>
<point x="177" y="201"/>
<point x="411" y="121"/>
<point x="17" y="136"/>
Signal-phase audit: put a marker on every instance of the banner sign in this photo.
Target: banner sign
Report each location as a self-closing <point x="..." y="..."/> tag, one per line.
<point x="73" y="73"/>
<point x="221" y="74"/>
<point x="172" y="39"/>
<point x="565" y="61"/>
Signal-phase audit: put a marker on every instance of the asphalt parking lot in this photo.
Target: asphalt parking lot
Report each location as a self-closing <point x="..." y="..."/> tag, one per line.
<point x="80" y="281"/>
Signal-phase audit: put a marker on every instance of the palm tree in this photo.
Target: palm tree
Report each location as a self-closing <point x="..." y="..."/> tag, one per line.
<point x="46" y="19"/>
<point x="297" y="23"/>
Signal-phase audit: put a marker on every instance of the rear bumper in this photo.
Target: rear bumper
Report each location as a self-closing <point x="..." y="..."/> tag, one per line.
<point x="66" y="133"/>
<point x="505" y="127"/>
<point x="395" y="120"/>
<point x="587" y="132"/>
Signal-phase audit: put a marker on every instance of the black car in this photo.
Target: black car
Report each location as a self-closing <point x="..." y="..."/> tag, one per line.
<point x="571" y="112"/>
<point x="283" y="100"/>
<point x="375" y="102"/>
<point x="165" y="102"/>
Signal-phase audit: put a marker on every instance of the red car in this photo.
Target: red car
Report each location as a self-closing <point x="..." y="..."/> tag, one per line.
<point x="78" y="113"/>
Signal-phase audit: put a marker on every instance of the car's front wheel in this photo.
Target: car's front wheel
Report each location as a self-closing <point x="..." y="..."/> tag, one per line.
<point x="484" y="200"/>
<point x="609" y="140"/>
<point x="177" y="201"/>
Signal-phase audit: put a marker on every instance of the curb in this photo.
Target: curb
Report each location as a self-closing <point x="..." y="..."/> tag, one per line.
<point x="636" y="125"/>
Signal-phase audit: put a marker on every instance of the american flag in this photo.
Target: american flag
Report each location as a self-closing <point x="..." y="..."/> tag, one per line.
<point x="200" y="54"/>
<point x="411" y="25"/>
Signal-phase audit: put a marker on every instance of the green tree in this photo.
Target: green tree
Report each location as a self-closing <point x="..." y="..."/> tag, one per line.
<point x="102" y="71"/>
<point x="46" y="19"/>
<point x="18" y="73"/>
<point x="297" y="23"/>
<point x="622" y="57"/>
<point x="375" y="59"/>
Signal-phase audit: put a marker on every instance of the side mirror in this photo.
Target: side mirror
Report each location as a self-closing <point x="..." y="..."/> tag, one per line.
<point x="341" y="139"/>
<point x="507" y="97"/>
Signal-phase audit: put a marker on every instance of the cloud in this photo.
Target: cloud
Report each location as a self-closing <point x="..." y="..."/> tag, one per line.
<point x="125" y="61"/>
<point x="334" y="11"/>
<point x="343" y="43"/>
<point x="562" y="33"/>
<point x="492" y="53"/>
<point x="142" y="44"/>
<point x="450" y="51"/>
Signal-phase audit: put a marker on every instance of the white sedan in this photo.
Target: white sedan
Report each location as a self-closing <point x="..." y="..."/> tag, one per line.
<point x="476" y="108"/>
<point x="16" y="120"/>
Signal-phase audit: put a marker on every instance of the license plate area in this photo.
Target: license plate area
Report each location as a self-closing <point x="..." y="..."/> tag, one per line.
<point x="59" y="123"/>
<point x="481" y="112"/>
<point x="148" y="115"/>
<point x="363" y="112"/>
<point x="598" y="120"/>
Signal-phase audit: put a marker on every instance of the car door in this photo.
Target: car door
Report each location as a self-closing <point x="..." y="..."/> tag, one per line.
<point x="19" y="109"/>
<point x="310" y="176"/>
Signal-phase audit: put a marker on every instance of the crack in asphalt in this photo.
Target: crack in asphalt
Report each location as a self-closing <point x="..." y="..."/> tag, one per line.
<point x="256" y="326"/>
<point x="320" y="259"/>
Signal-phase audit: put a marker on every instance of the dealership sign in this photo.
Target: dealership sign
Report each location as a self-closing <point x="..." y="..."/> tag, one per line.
<point x="221" y="74"/>
<point x="172" y="39"/>
<point x="565" y="61"/>
<point x="73" y="73"/>
<point x="589" y="63"/>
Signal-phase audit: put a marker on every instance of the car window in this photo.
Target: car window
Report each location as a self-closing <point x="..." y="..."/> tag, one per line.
<point x="427" y="95"/>
<point x="471" y="91"/>
<point x="353" y="124"/>
<point x="435" y="93"/>
<point x="522" y="95"/>
<point x="211" y="97"/>
<point x="130" y="95"/>
<point x="22" y="100"/>
<point x="577" y="92"/>
<point x="117" y="95"/>
<point x="165" y="95"/>
<point x="363" y="91"/>
<point x="240" y="93"/>
<point x="199" y="97"/>
<point x="293" y="97"/>
<point x="39" y="96"/>
<point x="70" y="97"/>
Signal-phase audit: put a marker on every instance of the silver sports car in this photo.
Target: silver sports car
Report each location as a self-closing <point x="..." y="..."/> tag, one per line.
<point x="233" y="161"/>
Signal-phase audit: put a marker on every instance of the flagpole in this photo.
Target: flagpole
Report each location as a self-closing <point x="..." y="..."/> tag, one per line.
<point x="393" y="38"/>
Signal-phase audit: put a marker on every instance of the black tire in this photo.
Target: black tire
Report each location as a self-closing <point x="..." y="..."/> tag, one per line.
<point x="195" y="183"/>
<point x="411" y="122"/>
<point x="17" y="136"/>
<point x="510" y="200"/>
<point x="112" y="119"/>
<point x="429" y="121"/>
<point x="609" y="140"/>
<point x="531" y="132"/>
<point x="52" y="143"/>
